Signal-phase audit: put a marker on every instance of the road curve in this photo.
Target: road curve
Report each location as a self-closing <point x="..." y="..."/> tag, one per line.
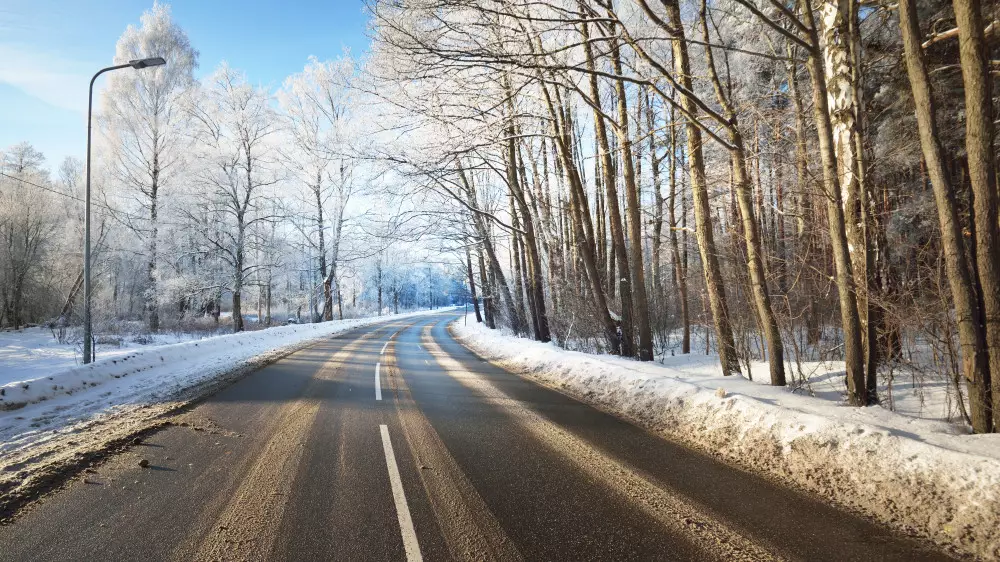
<point x="394" y="442"/>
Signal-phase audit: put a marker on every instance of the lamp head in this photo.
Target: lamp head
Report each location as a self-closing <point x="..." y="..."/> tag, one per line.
<point x="143" y="63"/>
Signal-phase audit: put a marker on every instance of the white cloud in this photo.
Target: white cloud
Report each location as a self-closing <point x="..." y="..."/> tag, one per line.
<point x="54" y="79"/>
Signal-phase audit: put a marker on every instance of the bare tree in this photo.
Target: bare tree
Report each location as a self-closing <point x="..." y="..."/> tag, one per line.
<point x="238" y="165"/>
<point x="145" y="122"/>
<point x="318" y="103"/>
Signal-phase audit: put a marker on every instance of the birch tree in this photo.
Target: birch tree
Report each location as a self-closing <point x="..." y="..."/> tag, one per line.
<point x="145" y="122"/>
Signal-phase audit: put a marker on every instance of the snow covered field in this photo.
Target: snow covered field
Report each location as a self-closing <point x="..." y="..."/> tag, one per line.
<point x="34" y="353"/>
<point x="926" y="475"/>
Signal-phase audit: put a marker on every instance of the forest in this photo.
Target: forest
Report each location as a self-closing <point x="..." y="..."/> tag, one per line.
<point x="214" y="201"/>
<point x="765" y="180"/>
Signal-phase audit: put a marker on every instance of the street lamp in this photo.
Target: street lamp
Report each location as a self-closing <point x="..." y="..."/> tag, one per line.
<point x="87" y="327"/>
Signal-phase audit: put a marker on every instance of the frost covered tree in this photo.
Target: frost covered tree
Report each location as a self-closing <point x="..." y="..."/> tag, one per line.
<point x="23" y="158"/>
<point x="784" y="137"/>
<point x="26" y="226"/>
<point x="145" y="121"/>
<point x="318" y="106"/>
<point x="237" y="169"/>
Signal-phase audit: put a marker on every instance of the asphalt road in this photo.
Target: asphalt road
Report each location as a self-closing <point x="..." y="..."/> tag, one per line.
<point x="394" y="442"/>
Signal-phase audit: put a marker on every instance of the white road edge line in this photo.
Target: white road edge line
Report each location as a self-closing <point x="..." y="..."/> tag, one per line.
<point x="410" y="545"/>
<point x="378" y="382"/>
<point x="386" y="344"/>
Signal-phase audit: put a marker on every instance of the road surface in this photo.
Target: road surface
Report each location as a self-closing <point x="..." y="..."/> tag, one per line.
<point x="394" y="442"/>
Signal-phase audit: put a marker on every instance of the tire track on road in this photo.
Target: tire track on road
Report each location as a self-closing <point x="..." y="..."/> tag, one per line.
<point x="469" y="527"/>
<point x="248" y="525"/>
<point x="717" y="540"/>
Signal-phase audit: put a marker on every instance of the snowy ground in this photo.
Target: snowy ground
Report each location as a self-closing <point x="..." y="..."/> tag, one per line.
<point x="49" y="416"/>
<point x="33" y="353"/>
<point x="908" y="392"/>
<point x="925" y="475"/>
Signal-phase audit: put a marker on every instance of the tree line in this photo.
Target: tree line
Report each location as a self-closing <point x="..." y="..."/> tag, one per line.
<point x="218" y="205"/>
<point x="801" y="180"/>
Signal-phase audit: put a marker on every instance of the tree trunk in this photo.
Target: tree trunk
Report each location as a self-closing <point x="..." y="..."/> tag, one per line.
<point x="982" y="177"/>
<point x="714" y="284"/>
<point x="803" y="208"/>
<point x="751" y="235"/>
<point x="487" y="293"/>
<point x="657" y="235"/>
<point x="340" y="303"/>
<point x="843" y="107"/>
<point x="238" y="279"/>
<point x="781" y="265"/>
<point x="620" y="282"/>
<point x="755" y="265"/>
<point x="533" y="267"/>
<point x="515" y="257"/>
<point x="854" y="356"/>
<point x="67" y="309"/>
<point x="640" y="302"/>
<point x="496" y="271"/>
<point x="472" y="286"/>
<point x="152" y="297"/>
<point x="680" y="271"/>
<point x="971" y="335"/>
<point x="320" y="228"/>
<point x="267" y="302"/>
<point x="580" y="218"/>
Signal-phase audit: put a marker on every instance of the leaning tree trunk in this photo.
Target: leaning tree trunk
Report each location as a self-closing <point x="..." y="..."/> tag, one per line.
<point x="534" y="239"/>
<point x="714" y="284"/>
<point x="755" y="265"/>
<point x="472" y="286"/>
<point x="620" y="281"/>
<point x="532" y="264"/>
<point x="580" y="217"/>
<point x="971" y="336"/>
<point x="982" y="176"/>
<point x="499" y="280"/>
<point x="751" y="230"/>
<point x="487" y="291"/>
<point x="67" y="309"/>
<point x="640" y="302"/>
<point x="518" y="272"/>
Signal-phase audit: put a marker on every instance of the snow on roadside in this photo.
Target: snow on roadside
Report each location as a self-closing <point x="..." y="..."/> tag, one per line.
<point x="33" y="353"/>
<point x="926" y="476"/>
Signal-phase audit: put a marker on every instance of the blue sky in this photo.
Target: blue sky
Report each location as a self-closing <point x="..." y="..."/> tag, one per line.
<point x="49" y="49"/>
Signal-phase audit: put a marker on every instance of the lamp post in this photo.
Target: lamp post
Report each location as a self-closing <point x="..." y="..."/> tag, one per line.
<point x="87" y="327"/>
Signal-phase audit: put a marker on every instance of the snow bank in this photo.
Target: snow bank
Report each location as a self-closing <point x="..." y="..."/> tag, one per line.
<point x="33" y="353"/>
<point x="923" y="476"/>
